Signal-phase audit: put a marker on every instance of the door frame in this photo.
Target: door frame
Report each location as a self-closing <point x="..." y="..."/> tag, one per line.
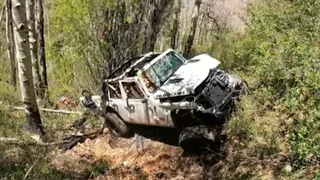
<point x="136" y="103"/>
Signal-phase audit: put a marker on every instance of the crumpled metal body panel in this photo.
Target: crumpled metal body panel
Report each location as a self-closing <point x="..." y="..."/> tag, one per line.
<point x="190" y="75"/>
<point x="200" y="78"/>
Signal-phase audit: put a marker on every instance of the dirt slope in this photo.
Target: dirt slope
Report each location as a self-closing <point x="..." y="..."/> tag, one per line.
<point x="96" y="159"/>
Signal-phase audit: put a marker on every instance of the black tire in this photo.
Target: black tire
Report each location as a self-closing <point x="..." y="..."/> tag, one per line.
<point x="197" y="138"/>
<point x="117" y="126"/>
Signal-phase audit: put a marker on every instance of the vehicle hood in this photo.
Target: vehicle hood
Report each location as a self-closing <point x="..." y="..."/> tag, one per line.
<point x="188" y="77"/>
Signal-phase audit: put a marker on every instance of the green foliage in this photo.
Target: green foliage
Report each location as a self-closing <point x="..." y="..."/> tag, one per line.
<point x="98" y="167"/>
<point x="280" y="52"/>
<point x="8" y="93"/>
<point x="281" y="49"/>
<point x="17" y="160"/>
<point x="73" y="45"/>
<point x="258" y="130"/>
<point x="242" y="125"/>
<point x="278" y="55"/>
<point x="223" y="47"/>
<point x="87" y="38"/>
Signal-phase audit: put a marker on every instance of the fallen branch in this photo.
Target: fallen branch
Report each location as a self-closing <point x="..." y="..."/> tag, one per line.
<point x="52" y="110"/>
<point x="21" y="142"/>
<point x="88" y="134"/>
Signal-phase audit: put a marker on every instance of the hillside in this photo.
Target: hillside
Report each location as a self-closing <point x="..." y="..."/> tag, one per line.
<point x="272" y="44"/>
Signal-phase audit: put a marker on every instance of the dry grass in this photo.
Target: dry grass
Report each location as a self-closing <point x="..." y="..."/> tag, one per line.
<point x="155" y="161"/>
<point x="168" y="162"/>
<point x="124" y="162"/>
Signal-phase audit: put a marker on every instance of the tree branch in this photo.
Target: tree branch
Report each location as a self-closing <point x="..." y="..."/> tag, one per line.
<point x="17" y="141"/>
<point x="52" y="110"/>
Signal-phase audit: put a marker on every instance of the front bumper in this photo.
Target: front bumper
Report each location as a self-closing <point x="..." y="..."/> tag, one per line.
<point x="219" y="93"/>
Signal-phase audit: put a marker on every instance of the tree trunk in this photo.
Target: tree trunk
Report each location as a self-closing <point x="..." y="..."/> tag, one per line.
<point x="33" y="124"/>
<point x="2" y="12"/>
<point x="175" y="26"/>
<point x="41" y="47"/>
<point x="193" y="28"/>
<point x="10" y="42"/>
<point x="33" y="49"/>
<point x="1" y="17"/>
<point x="154" y="23"/>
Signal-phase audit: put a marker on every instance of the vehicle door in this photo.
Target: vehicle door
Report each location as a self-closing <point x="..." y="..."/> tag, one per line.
<point x="136" y="102"/>
<point x="117" y="100"/>
<point x="158" y="115"/>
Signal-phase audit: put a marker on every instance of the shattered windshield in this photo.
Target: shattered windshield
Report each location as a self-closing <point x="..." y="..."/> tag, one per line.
<point x="160" y="71"/>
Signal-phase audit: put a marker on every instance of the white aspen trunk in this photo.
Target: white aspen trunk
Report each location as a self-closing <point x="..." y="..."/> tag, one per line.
<point x="33" y="48"/>
<point x="33" y="124"/>
<point x="10" y="42"/>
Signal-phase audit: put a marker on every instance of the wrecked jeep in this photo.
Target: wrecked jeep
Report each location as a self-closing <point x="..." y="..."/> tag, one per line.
<point x="167" y="90"/>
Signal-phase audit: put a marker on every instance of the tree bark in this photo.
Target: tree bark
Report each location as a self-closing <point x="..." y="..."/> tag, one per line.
<point x="154" y="22"/>
<point x="41" y="50"/>
<point x="193" y="28"/>
<point x="41" y="44"/>
<point x="123" y="37"/>
<point x="2" y="12"/>
<point x="1" y="16"/>
<point x="175" y="26"/>
<point x="33" y="124"/>
<point x="33" y="49"/>
<point x="10" y="42"/>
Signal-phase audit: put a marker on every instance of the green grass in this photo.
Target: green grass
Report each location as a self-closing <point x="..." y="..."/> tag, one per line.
<point x="16" y="160"/>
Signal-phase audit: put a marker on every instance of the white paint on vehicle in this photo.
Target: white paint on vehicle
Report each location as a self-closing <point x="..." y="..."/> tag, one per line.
<point x="191" y="75"/>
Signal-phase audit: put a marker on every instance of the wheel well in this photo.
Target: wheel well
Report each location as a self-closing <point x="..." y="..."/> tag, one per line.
<point x="112" y="110"/>
<point x="185" y="118"/>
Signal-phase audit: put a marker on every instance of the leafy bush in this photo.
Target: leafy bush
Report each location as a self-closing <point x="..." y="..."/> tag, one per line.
<point x="74" y="53"/>
<point x="282" y="48"/>
<point x="279" y="52"/>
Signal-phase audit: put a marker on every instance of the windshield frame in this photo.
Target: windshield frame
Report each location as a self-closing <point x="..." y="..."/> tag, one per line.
<point x="150" y="67"/>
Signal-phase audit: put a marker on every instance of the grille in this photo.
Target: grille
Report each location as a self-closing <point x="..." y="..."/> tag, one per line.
<point x="216" y="92"/>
